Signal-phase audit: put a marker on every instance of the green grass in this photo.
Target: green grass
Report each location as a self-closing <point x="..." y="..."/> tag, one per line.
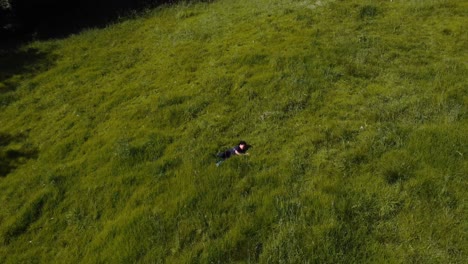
<point x="356" y="111"/>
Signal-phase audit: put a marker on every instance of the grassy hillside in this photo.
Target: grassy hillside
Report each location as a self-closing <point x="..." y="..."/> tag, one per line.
<point x="357" y="111"/>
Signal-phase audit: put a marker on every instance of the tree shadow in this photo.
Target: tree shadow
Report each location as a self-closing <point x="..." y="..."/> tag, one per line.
<point x="16" y="65"/>
<point x="21" y="62"/>
<point x="42" y="20"/>
<point x="12" y="156"/>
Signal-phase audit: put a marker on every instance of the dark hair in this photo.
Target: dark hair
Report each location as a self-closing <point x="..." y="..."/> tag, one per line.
<point x="247" y="146"/>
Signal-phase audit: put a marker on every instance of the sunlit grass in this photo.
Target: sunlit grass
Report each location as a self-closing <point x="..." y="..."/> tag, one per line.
<point x="356" y="112"/>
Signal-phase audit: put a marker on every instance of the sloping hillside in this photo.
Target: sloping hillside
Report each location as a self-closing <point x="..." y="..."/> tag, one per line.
<point x="356" y="110"/>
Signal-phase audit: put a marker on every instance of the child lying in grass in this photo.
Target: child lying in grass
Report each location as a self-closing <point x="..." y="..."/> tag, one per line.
<point x="240" y="149"/>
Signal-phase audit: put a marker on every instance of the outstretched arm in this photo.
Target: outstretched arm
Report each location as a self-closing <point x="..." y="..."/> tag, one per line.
<point x="238" y="153"/>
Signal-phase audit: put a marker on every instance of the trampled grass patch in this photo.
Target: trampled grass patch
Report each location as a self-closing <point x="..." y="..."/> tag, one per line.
<point x="356" y="112"/>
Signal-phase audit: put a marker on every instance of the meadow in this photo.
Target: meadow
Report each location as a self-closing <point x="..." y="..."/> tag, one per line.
<point x="356" y="110"/>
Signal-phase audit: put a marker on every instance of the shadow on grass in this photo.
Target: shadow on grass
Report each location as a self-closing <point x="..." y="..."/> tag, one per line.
<point x="42" y="20"/>
<point x="18" y="64"/>
<point x="11" y="157"/>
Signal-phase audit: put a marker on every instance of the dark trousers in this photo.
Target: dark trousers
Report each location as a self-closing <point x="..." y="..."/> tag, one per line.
<point x="224" y="155"/>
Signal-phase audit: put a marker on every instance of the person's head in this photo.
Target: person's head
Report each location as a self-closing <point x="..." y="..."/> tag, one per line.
<point x="242" y="144"/>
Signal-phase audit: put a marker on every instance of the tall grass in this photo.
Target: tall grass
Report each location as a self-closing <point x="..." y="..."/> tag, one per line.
<point x="356" y="112"/>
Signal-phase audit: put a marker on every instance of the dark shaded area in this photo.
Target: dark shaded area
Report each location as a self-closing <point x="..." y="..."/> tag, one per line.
<point x="368" y="11"/>
<point x="42" y="19"/>
<point x="54" y="18"/>
<point x="16" y="65"/>
<point x="21" y="62"/>
<point x="12" y="158"/>
<point x="394" y="176"/>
